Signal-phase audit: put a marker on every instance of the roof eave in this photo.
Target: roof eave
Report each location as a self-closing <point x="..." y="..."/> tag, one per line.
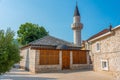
<point x="91" y="40"/>
<point x="116" y="27"/>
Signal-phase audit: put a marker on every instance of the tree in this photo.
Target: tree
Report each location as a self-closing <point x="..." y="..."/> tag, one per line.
<point x="29" y="32"/>
<point x="9" y="51"/>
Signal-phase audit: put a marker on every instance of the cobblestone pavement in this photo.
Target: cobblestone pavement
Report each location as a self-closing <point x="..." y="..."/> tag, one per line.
<point x="18" y="74"/>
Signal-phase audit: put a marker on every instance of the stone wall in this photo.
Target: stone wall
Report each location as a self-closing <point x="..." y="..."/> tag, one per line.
<point x="48" y="68"/>
<point x="80" y="66"/>
<point x="28" y="59"/>
<point x="116" y="75"/>
<point x="23" y="60"/>
<point x="113" y="62"/>
<point x="110" y="43"/>
<point x="32" y="55"/>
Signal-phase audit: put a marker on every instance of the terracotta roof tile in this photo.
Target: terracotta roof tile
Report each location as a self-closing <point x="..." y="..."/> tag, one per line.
<point x="99" y="34"/>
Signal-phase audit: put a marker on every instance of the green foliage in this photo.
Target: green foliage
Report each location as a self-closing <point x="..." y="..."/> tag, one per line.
<point x="29" y="32"/>
<point x="9" y="51"/>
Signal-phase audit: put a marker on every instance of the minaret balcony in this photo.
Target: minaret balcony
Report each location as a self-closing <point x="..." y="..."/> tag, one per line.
<point x="77" y="26"/>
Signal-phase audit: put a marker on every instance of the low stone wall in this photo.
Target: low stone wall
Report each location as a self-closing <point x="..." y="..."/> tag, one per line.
<point x="81" y="66"/>
<point x="52" y="68"/>
<point x="48" y="68"/>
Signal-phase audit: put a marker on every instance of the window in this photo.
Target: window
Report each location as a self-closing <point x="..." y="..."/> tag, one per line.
<point x="104" y="65"/>
<point x="97" y="47"/>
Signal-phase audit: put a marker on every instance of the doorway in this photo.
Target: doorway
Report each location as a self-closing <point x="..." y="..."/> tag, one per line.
<point x="65" y="59"/>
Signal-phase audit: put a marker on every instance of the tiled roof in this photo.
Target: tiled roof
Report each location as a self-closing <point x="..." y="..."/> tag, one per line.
<point x="51" y="41"/>
<point x="99" y="34"/>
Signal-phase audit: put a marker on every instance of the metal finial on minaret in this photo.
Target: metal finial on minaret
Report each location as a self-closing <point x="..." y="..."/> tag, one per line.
<point x="76" y="3"/>
<point x="77" y="26"/>
<point x="110" y="27"/>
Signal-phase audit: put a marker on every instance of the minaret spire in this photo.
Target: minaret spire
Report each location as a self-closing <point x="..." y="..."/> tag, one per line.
<point x="77" y="26"/>
<point x="76" y="12"/>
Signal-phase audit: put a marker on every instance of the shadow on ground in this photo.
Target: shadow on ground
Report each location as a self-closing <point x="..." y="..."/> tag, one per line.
<point x="26" y="78"/>
<point x="67" y="71"/>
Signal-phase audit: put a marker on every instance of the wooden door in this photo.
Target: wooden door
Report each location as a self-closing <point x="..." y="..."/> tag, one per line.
<point x="65" y="59"/>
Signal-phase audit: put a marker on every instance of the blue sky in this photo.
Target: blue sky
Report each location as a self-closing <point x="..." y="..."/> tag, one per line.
<point x="57" y="15"/>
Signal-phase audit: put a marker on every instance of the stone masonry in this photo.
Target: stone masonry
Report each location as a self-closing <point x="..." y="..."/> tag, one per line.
<point x="110" y="51"/>
<point x="28" y="59"/>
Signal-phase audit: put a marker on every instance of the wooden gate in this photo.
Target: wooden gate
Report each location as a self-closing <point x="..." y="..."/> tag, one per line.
<point x="79" y="57"/>
<point x="65" y="59"/>
<point x="49" y="57"/>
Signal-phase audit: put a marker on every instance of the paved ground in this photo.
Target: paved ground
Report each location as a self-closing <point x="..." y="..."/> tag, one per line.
<point x="17" y="74"/>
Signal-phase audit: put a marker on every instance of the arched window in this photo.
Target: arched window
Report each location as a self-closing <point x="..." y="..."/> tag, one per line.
<point x="97" y="46"/>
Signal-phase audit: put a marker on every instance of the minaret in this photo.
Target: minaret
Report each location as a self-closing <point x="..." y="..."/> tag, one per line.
<point x="77" y="27"/>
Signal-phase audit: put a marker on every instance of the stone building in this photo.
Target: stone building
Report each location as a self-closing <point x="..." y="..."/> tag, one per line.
<point x="51" y="54"/>
<point x="105" y="50"/>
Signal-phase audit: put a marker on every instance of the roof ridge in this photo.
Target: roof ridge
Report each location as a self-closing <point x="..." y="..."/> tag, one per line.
<point x="60" y="39"/>
<point x="37" y="39"/>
